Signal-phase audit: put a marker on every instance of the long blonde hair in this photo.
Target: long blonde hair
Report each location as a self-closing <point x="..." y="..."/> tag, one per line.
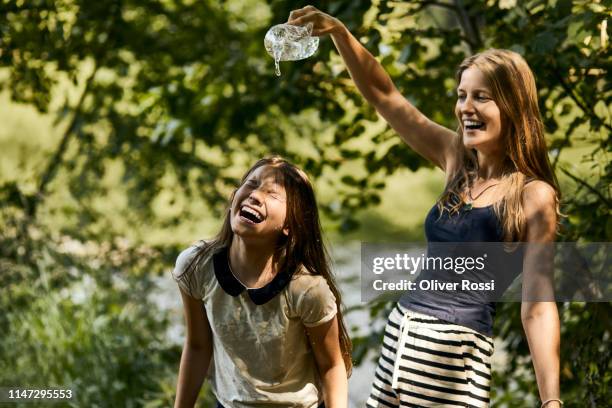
<point x="514" y="91"/>
<point x="302" y="248"/>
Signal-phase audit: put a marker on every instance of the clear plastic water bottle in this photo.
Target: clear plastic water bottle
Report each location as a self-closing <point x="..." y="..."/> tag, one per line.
<point x="286" y="42"/>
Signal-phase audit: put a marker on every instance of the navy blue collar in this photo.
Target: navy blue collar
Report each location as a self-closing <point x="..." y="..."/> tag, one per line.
<point x="232" y="286"/>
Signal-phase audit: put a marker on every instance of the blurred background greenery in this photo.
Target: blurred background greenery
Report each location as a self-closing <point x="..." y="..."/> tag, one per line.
<point x="126" y="123"/>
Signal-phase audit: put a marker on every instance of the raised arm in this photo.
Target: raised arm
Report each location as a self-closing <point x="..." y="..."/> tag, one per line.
<point x="429" y="139"/>
<point x="197" y="353"/>
<point x="539" y="313"/>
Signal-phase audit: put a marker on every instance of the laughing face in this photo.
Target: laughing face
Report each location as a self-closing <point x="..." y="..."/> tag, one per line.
<point x="477" y="112"/>
<point x="259" y="207"/>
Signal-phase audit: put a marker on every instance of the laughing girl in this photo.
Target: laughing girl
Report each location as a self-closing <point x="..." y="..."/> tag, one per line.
<point x="262" y="310"/>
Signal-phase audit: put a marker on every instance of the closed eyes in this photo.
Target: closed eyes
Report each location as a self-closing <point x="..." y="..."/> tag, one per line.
<point x="479" y="97"/>
<point x="273" y="193"/>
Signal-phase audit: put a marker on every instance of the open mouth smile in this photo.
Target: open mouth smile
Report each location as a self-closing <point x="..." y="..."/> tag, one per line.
<point x="250" y="215"/>
<point x="473" y="125"/>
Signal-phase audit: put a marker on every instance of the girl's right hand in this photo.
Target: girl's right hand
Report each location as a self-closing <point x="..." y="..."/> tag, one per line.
<point x="322" y="23"/>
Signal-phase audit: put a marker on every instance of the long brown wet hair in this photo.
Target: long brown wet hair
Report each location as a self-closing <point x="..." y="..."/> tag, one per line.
<point x="303" y="248"/>
<point x="514" y="91"/>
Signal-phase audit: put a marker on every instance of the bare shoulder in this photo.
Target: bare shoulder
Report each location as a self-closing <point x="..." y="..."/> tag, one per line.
<point x="540" y="205"/>
<point x="539" y="196"/>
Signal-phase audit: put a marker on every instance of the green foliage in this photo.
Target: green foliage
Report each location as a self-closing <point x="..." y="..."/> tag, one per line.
<point x="65" y="326"/>
<point x="75" y="318"/>
<point x="159" y="99"/>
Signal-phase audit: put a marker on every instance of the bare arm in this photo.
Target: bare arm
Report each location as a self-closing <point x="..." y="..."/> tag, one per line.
<point x="197" y="352"/>
<point x="432" y="141"/>
<point x="539" y="316"/>
<point x="325" y="343"/>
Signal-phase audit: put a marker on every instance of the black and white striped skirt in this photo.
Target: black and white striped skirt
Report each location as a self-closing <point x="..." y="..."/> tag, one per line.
<point x="427" y="362"/>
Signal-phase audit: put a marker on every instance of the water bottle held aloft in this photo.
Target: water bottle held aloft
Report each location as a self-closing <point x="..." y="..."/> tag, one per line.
<point x="286" y="42"/>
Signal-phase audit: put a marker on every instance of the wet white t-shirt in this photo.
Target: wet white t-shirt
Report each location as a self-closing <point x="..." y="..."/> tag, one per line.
<point x="261" y="354"/>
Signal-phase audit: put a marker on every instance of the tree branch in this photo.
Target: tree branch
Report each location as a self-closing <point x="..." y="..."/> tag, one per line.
<point x="57" y="158"/>
<point x="468" y="25"/>
<point x="588" y="186"/>
<point x="570" y="91"/>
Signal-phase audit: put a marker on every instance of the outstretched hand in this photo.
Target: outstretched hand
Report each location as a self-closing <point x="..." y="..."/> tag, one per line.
<point x="322" y="23"/>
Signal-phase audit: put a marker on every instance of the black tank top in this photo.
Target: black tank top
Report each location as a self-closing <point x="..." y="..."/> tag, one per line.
<point x="478" y="224"/>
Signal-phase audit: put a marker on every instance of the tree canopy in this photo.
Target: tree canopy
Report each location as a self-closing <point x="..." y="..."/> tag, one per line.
<point x="169" y="101"/>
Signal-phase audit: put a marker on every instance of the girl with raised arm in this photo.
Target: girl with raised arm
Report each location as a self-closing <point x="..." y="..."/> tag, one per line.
<point x="500" y="187"/>
<point x="261" y="303"/>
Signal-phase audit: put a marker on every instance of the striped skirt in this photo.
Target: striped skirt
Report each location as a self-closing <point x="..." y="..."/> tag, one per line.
<point x="426" y="362"/>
